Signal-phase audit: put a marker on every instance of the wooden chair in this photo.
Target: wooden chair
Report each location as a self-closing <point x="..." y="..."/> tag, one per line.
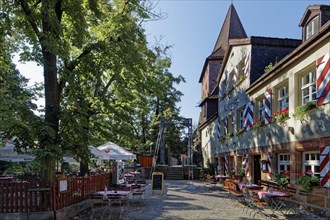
<point x="100" y="208"/>
<point x="119" y="203"/>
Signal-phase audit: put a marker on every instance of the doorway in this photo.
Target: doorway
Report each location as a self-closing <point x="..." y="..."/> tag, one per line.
<point x="256" y="169"/>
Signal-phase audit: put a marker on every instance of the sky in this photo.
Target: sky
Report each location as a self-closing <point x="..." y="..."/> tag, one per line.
<point x="192" y="27"/>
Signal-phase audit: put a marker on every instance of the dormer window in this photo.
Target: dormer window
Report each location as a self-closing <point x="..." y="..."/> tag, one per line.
<point x="312" y="27"/>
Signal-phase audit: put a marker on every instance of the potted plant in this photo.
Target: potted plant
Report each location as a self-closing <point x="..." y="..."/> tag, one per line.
<point x="281" y="116"/>
<point x="242" y="173"/>
<point x="282" y="180"/>
<point x="303" y="110"/>
<point x="222" y="139"/>
<point x="231" y="173"/>
<point x="229" y="135"/>
<point x="257" y="124"/>
<point x="240" y="132"/>
<point x="307" y="182"/>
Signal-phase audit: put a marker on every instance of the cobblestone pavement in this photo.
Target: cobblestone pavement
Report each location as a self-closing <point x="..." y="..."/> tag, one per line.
<point x="194" y="200"/>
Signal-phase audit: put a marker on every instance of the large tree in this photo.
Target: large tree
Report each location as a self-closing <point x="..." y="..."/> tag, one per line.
<point x="16" y="101"/>
<point x="98" y="71"/>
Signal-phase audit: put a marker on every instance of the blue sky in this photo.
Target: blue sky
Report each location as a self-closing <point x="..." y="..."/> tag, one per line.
<point x="192" y="27"/>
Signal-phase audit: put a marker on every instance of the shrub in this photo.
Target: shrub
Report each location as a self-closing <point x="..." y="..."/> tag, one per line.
<point x="282" y="180"/>
<point x="307" y="182"/>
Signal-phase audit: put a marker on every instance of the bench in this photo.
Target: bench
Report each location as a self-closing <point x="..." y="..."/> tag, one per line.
<point x="269" y="184"/>
<point x="232" y="188"/>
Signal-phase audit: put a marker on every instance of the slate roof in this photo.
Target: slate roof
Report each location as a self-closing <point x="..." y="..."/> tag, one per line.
<point x="231" y="28"/>
<point x="324" y="12"/>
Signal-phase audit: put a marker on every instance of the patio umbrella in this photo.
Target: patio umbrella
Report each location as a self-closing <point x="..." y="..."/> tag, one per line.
<point x="115" y="152"/>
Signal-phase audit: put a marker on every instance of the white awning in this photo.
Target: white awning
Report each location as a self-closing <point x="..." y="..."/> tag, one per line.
<point x="115" y="152"/>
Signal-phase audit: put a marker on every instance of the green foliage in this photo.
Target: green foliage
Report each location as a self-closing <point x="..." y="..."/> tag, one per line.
<point x="242" y="172"/>
<point x="230" y="135"/>
<point x="281" y="179"/>
<point x="240" y="132"/>
<point x="258" y="124"/>
<point x="210" y="169"/>
<point x="307" y="182"/>
<point x="223" y="139"/>
<point x="231" y="172"/>
<point x="303" y="110"/>
<point x="281" y="116"/>
<point x="103" y="81"/>
<point x="268" y="67"/>
<point x="24" y="168"/>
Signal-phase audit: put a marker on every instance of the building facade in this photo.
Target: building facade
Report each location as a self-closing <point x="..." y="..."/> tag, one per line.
<point x="274" y="111"/>
<point x="231" y="28"/>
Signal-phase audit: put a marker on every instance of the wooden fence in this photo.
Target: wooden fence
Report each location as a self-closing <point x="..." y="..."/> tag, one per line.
<point x="29" y="197"/>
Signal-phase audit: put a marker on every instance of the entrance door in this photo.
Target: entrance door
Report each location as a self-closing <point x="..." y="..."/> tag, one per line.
<point x="256" y="169"/>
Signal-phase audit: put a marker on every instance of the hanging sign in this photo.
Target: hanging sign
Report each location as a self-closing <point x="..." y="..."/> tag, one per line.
<point x="63" y="185"/>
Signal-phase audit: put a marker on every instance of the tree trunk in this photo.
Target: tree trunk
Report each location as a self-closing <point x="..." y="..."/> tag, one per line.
<point x="52" y="96"/>
<point x="52" y="104"/>
<point x="83" y="168"/>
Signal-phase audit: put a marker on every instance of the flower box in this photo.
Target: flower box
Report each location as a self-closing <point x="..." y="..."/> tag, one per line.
<point x="281" y="116"/>
<point x="257" y="124"/>
<point x="303" y="110"/>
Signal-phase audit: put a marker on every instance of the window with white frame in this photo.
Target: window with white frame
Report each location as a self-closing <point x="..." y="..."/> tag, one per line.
<point x="308" y="87"/>
<point x="311" y="163"/>
<point x="282" y="98"/>
<point x="312" y="27"/>
<point x="283" y="163"/>
<point x="260" y="109"/>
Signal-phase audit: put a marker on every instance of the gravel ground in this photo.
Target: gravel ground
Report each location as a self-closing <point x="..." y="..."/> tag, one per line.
<point x="191" y="200"/>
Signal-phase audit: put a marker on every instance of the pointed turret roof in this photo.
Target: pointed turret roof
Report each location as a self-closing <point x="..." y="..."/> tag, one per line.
<point x="231" y="28"/>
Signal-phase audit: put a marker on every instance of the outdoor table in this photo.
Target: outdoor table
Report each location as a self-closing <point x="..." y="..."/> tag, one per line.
<point x="113" y="193"/>
<point x="249" y="186"/>
<point x="134" y="186"/>
<point x="221" y="177"/>
<point x="136" y="174"/>
<point x="272" y="198"/>
<point x="128" y="176"/>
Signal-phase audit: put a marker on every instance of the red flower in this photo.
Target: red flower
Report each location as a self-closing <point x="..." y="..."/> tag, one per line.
<point x="309" y="171"/>
<point x="284" y="110"/>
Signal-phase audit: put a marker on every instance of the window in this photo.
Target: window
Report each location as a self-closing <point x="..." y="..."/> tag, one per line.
<point x="240" y="119"/>
<point x="239" y="164"/>
<point x="225" y="126"/>
<point x="283" y="163"/>
<point x="311" y="28"/>
<point x="282" y="98"/>
<point x="311" y="163"/>
<point x="308" y="87"/>
<point x="260" y="109"/>
<point x="230" y="123"/>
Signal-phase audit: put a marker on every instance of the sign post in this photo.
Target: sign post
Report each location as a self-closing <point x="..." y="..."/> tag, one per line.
<point x="157" y="182"/>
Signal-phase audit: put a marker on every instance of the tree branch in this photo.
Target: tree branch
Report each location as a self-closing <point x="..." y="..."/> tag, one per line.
<point x="29" y="16"/>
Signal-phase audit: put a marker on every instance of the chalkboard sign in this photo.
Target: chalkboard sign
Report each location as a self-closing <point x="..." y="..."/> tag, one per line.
<point x="157" y="181"/>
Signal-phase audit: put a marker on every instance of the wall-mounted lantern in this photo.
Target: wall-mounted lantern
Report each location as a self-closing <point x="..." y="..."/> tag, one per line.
<point x="264" y="166"/>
